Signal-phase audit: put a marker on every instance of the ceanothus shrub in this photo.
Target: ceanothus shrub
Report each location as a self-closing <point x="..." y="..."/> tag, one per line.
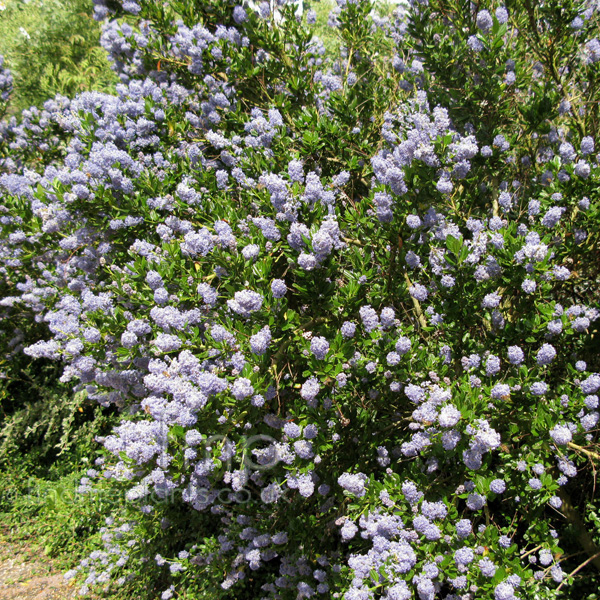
<point x="345" y="305"/>
<point x="6" y="84"/>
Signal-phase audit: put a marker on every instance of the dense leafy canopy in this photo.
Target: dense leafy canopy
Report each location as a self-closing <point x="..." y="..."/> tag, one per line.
<point x="346" y="305"/>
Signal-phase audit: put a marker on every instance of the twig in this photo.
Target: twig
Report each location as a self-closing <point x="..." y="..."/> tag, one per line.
<point x="588" y="453"/>
<point x="585" y="539"/>
<point x="530" y="551"/>
<point x="353" y="241"/>
<point x="583" y="564"/>
<point x="416" y="304"/>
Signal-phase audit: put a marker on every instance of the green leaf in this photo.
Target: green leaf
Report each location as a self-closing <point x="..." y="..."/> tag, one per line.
<point x="453" y="244"/>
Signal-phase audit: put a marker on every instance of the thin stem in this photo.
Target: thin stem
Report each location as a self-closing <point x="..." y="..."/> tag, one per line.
<point x="588" y="453"/>
<point x="416" y="304"/>
<point x="575" y="571"/>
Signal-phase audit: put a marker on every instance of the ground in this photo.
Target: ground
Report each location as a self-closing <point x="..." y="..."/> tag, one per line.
<point x="27" y="574"/>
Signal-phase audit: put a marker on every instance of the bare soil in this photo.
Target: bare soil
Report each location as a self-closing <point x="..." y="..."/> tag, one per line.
<point x="27" y="574"/>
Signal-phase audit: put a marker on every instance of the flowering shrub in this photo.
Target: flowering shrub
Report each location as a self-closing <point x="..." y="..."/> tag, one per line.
<point x="6" y="82"/>
<point x="346" y="305"/>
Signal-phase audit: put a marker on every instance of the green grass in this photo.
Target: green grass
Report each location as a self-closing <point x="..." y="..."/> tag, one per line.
<point x="329" y="35"/>
<point x="326" y="34"/>
<point x="52" y="47"/>
<point x="48" y="516"/>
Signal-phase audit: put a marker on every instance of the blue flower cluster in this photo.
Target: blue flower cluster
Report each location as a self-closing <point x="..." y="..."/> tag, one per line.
<point x="6" y="81"/>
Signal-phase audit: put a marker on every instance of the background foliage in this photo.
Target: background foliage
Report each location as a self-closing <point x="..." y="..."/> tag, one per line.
<point x="52" y="47"/>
